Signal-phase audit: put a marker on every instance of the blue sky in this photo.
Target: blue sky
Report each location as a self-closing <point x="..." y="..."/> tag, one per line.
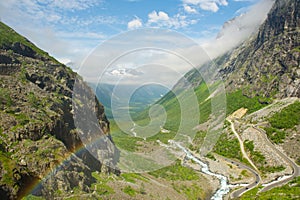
<point x="89" y="22"/>
<point x="70" y="29"/>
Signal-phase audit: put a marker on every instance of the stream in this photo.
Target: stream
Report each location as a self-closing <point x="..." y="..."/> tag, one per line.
<point x="224" y="187"/>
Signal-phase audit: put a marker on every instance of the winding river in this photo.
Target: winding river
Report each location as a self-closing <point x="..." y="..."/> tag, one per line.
<point x="224" y="186"/>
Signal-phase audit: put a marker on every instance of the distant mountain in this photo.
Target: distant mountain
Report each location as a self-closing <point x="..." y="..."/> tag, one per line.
<point x="141" y="98"/>
<point x="39" y="137"/>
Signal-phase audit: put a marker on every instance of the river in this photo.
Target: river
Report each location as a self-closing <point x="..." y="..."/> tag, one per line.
<point x="224" y="186"/>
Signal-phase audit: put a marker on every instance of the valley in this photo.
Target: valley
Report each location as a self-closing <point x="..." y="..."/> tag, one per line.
<point x="227" y="129"/>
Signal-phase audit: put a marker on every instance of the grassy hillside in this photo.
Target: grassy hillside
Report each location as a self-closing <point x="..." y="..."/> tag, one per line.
<point x="8" y="37"/>
<point x="286" y="192"/>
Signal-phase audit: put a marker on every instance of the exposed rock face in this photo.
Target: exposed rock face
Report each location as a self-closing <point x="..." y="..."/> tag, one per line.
<point x="38" y="134"/>
<point x="268" y="64"/>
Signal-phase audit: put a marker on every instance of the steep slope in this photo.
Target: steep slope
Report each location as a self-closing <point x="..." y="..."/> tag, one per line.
<point x="38" y="136"/>
<point x="264" y="67"/>
<point x="268" y="64"/>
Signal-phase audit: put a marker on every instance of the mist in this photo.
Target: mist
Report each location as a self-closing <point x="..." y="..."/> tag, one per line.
<point x="237" y="30"/>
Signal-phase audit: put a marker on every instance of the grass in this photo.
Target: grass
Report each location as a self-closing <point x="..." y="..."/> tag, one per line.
<point x="22" y="119"/>
<point x="237" y="100"/>
<point x="272" y="169"/>
<point x="275" y="135"/>
<point x="101" y="186"/>
<point x="8" y="37"/>
<point x="256" y="156"/>
<point x="8" y="166"/>
<point x="286" y="192"/>
<point x="176" y="172"/>
<point x="33" y="100"/>
<point x="287" y="117"/>
<point x="132" y="177"/>
<point x="227" y="147"/>
<point x="123" y="140"/>
<point x="32" y="197"/>
<point x="130" y="191"/>
<point x="191" y="192"/>
<point x="5" y="97"/>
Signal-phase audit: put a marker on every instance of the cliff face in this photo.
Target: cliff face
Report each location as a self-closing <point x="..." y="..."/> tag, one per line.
<point x="265" y="65"/>
<point x="38" y="134"/>
<point x="268" y="64"/>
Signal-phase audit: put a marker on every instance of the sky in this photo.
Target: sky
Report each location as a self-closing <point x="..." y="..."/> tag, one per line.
<point x="71" y="29"/>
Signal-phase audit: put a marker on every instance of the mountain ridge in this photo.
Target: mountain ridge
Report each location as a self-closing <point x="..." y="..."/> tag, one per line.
<point x="38" y="129"/>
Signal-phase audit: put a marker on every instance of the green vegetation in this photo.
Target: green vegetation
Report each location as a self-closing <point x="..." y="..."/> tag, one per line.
<point x="191" y="192"/>
<point x="275" y="135"/>
<point x="33" y="100"/>
<point x="101" y="186"/>
<point x="287" y="118"/>
<point x="8" y="165"/>
<point x="236" y="100"/>
<point x="123" y="140"/>
<point x="5" y="97"/>
<point x="297" y="49"/>
<point x="256" y="156"/>
<point x="129" y="190"/>
<point x="22" y="118"/>
<point x="227" y="147"/>
<point x="210" y="156"/>
<point x="176" y="172"/>
<point x="286" y="192"/>
<point x="272" y="169"/>
<point x="249" y="145"/>
<point x="32" y="197"/>
<point x="132" y="177"/>
<point x="259" y="159"/>
<point x="8" y="37"/>
<point x="198" y="140"/>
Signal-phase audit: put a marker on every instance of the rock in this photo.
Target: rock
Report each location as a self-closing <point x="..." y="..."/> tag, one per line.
<point x="39" y="127"/>
<point x="23" y="162"/>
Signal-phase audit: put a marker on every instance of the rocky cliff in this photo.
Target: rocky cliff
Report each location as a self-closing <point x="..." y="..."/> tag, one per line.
<point x="39" y="139"/>
<point x="268" y="64"/>
<point x="264" y="65"/>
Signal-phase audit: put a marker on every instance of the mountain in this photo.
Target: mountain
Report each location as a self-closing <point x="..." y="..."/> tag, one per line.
<point x="268" y="64"/>
<point x="40" y="136"/>
<point x="262" y="83"/>
<point x="263" y="67"/>
<point x="141" y="98"/>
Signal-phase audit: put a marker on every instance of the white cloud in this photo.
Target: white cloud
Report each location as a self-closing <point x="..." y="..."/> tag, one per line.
<point x="135" y="23"/>
<point x="162" y="19"/>
<point x="209" y="5"/>
<point x="237" y="30"/>
<point x="156" y="17"/>
<point x="189" y="9"/>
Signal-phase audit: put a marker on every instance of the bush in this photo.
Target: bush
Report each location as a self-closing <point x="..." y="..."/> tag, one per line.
<point x="129" y="190"/>
<point x="287" y="118"/>
<point x="275" y="135"/>
<point x="176" y="172"/>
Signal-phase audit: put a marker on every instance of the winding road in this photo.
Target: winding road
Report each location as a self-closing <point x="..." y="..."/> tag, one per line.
<point x="296" y="169"/>
<point x="255" y="171"/>
<point x="239" y="192"/>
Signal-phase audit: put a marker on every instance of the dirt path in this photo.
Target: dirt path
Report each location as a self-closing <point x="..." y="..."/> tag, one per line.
<point x="245" y="155"/>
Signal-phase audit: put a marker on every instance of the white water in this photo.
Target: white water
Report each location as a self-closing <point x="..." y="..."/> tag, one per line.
<point x="277" y="180"/>
<point x="224" y="187"/>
